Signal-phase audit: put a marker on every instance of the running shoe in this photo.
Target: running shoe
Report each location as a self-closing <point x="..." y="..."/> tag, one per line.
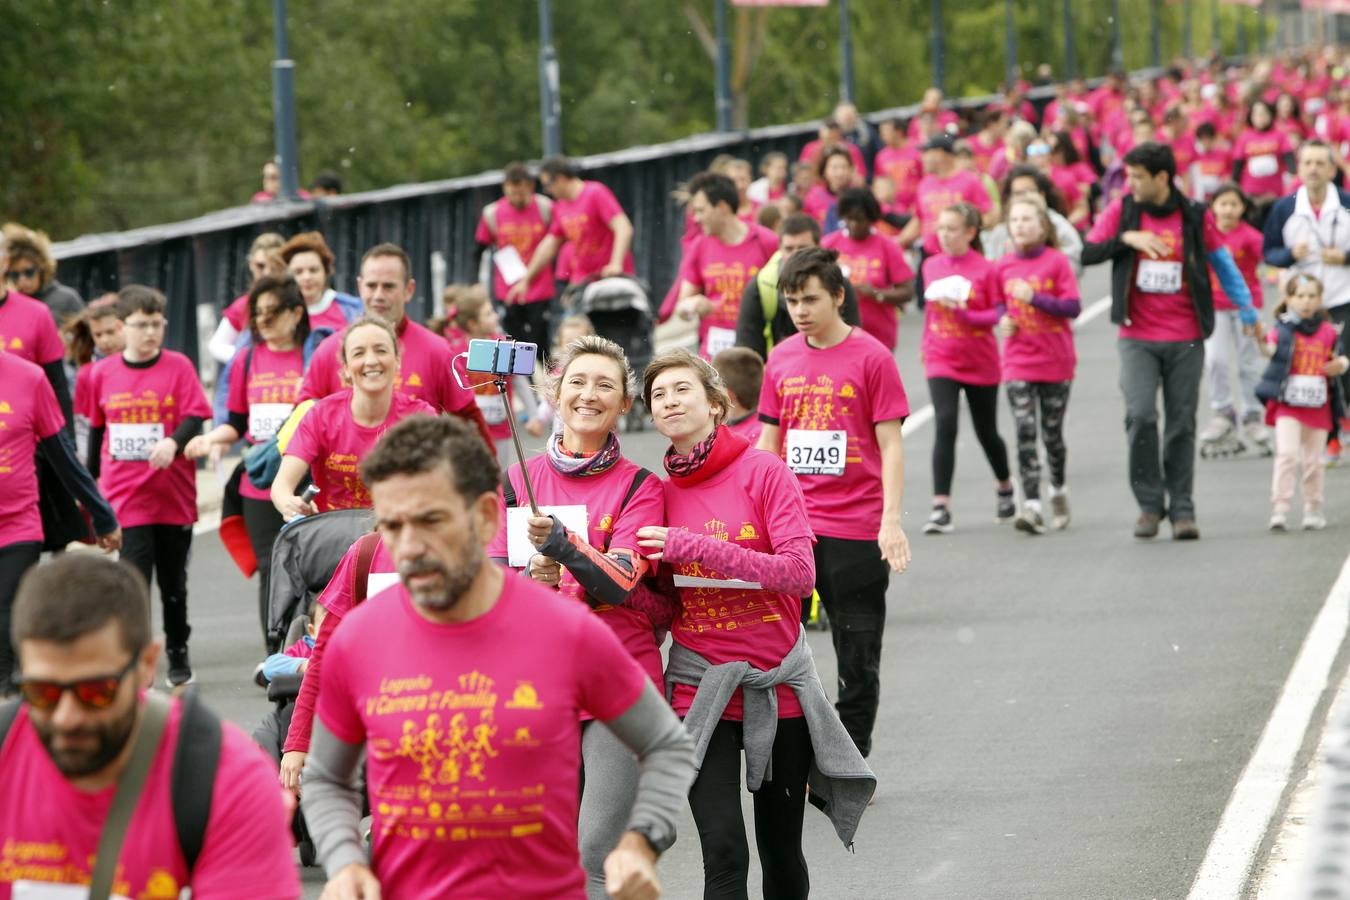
<point x="1029" y="520"/>
<point x="1313" y="520"/>
<point x="1185" y="530"/>
<point x="939" y="521"/>
<point x="1006" y="508"/>
<point x="1280" y="522"/>
<point x="1059" y="508"/>
<point x="1147" y="525"/>
<point x="180" y="670"/>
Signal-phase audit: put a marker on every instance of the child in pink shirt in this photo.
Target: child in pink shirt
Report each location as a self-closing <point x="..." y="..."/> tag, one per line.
<point x="964" y="301"/>
<point x="1041" y="295"/>
<point x="742" y="371"/>
<point x="873" y="264"/>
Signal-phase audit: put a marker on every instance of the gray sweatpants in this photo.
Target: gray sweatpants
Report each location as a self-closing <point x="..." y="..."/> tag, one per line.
<point x="1227" y="351"/>
<point x="1161" y="477"/>
<point x="611" y="772"/>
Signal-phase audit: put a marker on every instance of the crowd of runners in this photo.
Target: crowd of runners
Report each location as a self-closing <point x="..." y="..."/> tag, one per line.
<point x="443" y="737"/>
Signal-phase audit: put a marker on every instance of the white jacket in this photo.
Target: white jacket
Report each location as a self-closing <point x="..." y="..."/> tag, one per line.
<point x="1327" y="228"/>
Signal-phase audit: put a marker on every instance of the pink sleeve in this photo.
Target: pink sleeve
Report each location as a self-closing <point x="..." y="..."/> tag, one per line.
<point x="608" y="678"/>
<point x="302" y="717"/>
<point x="978" y="196"/>
<point x="769" y="404"/>
<point x="48" y="418"/>
<point x="481" y="234"/>
<point x="896" y="265"/>
<point x="50" y="348"/>
<point x="1065" y="279"/>
<point x="94" y="407"/>
<point x="236" y="400"/>
<point x="691" y="266"/>
<point x="885" y="390"/>
<point x="499" y="548"/>
<point x="82" y="390"/>
<point x="789" y="569"/>
<point x="647" y="507"/>
<point x="1213" y="238"/>
<point x="305" y="442"/>
<point x="1107" y="225"/>
<point x="336" y="707"/>
<point x="322" y="372"/>
<point x="237" y="313"/>
<point x="246" y="851"/>
<point x="604" y="203"/>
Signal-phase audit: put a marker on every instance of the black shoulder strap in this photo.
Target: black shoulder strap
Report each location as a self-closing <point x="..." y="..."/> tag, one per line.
<point x="194" y="775"/>
<point x="639" y="477"/>
<point x="8" y="712"/>
<point x="508" y="489"/>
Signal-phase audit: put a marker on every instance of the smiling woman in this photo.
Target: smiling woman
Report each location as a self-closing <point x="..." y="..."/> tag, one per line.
<point x="335" y="434"/>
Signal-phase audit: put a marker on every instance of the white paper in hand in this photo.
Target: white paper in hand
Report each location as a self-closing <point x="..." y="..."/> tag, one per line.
<point x="518" y="546"/>
<point x="954" y="287"/>
<point x="509" y="264"/>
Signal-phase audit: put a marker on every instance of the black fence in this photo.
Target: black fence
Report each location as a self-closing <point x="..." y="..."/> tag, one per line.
<point x="202" y="262"/>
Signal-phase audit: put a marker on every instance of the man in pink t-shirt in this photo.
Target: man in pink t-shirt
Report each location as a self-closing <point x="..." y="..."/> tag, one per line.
<point x="464" y="686"/>
<point x="718" y="263"/>
<point x="386" y="286"/>
<point x="513" y="228"/>
<point x="210" y="816"/>
<point x="832" y="404"/>
<point x="586" y="216"/>
<point x="943" y="185"/>
<point x="1162" y="248"/>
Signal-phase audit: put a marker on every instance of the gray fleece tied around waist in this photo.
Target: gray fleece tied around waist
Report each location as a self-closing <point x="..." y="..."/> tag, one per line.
<point x="839" y="779"/>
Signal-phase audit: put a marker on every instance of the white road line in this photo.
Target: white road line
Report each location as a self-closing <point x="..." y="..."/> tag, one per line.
<point x="923" y="415"/>
<point x="919" y="418"/>
<point x="1251" y="808"/>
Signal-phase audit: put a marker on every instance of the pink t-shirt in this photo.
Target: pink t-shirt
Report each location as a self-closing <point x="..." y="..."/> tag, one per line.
<point x="273" y="381"/>
<point x="137" y="406"/>
<point x="1042" y="349"/>
<point x="485" y="393"/>
<point x="28" y="413"/>
<point x="748" y="428"/>
<point x="904" y="168"/>
<point x="522" y="229"/>
<point x="757" y="503"/>
<point x="1211" y="168"/>
<point x="849" y="387"/>
<point x="473" y="748"/>
<point x="330" y="442"/>
<point x="875" y="263"/>
<point x="944" y="120"/>
<point x="49" y="830"/>
<point x="1158" y="316"/>
<point x="937" y="194"/>
<point x="953" y="345"/>
<point x="818" y="201"/>
<point x="237" y="313"/>
<point x="1262" y="154"/>
<point x="608" y="526"/>
<point x="584" y="223"/>
<point x="424" y="370"/>
<point x="27" y="329"/>
<point x="1244" y="242"/>
<point x="811" y="153"/>
<point x="720" y="272"/>
<point x="1311" y="354"/>
<point x="332" y="317"/>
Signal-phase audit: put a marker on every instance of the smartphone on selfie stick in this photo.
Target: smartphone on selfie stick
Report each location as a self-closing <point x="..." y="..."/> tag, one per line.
<point x="501" y="360"/>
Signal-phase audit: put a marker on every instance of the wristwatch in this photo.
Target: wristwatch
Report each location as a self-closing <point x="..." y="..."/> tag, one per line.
<point x="659" y="843"/>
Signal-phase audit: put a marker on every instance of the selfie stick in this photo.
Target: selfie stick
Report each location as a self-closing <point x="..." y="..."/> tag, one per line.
<point x="500" y="381"/>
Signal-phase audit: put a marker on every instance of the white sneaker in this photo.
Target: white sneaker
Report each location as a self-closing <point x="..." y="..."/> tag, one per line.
<point x="1059" y="508"/>
<point x="1313" y="521"/>
<point x="1279" y="522"/>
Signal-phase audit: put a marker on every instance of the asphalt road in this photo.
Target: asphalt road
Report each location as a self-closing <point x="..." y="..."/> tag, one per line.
<point x="1063" y="716"/>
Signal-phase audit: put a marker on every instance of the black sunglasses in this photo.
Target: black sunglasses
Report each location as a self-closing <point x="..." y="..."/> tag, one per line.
<point x="93" y="693"/>
<point x="16" y="274"/>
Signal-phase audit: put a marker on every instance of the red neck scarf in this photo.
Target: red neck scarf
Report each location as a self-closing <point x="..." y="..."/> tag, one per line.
<point x="719" y="450"/>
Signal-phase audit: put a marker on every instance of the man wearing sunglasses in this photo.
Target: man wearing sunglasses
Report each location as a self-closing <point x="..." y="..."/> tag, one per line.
<point x="82" y="626"/>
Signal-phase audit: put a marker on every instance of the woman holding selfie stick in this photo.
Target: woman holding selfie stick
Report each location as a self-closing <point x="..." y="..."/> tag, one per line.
<point x="338" y="430"/>
<point x="587" y="550"/>
<point x="740" y="546"/>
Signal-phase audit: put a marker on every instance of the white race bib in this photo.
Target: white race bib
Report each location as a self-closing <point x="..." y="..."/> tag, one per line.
<point x="816" y="452"/>
<point x="518" y="546"/>
<point x="133" y="441"/>
<point x="735" y="584"/>
<point x="1263" y="166"/>
<point x="266" y="419"/>
<point x="1158" y="276"/>
<point x="492" y="407"/>
<point x="720" y="339"/>
<point x="1306" y="391"/>
<point x="41" y="890"/>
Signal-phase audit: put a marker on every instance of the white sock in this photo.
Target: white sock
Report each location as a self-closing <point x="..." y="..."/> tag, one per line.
<point x="1033" y="505"/>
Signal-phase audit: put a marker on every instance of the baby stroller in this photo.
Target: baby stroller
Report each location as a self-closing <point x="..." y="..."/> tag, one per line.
<point x="620" y="310"/>
<point x="304" y="556"/>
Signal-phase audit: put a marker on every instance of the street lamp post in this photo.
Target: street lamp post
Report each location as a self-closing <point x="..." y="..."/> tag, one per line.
<point x="550" y="103"/>
<point x="283" y="106"/>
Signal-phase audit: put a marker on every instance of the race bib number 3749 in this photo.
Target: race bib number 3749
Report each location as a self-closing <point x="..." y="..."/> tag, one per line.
<point x="816" y="452"/>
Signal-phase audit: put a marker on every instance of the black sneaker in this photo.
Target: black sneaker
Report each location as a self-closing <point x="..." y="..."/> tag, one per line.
<point x="1006" y="510"/>
<point x="939" y="521"/>
<point x="180" y="670"/>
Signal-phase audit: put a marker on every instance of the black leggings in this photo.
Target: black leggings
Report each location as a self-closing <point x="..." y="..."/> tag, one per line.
<point x="983" y="402"/>
<point x="715" y="800"/>
<point x="162" y="551"/>
<point x="1053" y="398"/>
<point x="263" y="522"/>
<point x="15" y="560"/>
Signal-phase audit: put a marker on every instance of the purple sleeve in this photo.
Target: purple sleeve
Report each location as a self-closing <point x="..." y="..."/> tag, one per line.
<point x="790" y="569"/>
<point x="1064" y="307"/>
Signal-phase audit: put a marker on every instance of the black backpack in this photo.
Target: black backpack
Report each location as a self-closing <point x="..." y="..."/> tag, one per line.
<point x="194" y="770"/>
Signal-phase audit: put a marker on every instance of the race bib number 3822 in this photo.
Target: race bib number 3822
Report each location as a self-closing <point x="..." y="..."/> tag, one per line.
<point x="133" y="441"/>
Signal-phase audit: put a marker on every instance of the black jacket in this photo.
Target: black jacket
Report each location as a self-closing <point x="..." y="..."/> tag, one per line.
<point x="750" y="320"/>
<point x="1195" y="265"/>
